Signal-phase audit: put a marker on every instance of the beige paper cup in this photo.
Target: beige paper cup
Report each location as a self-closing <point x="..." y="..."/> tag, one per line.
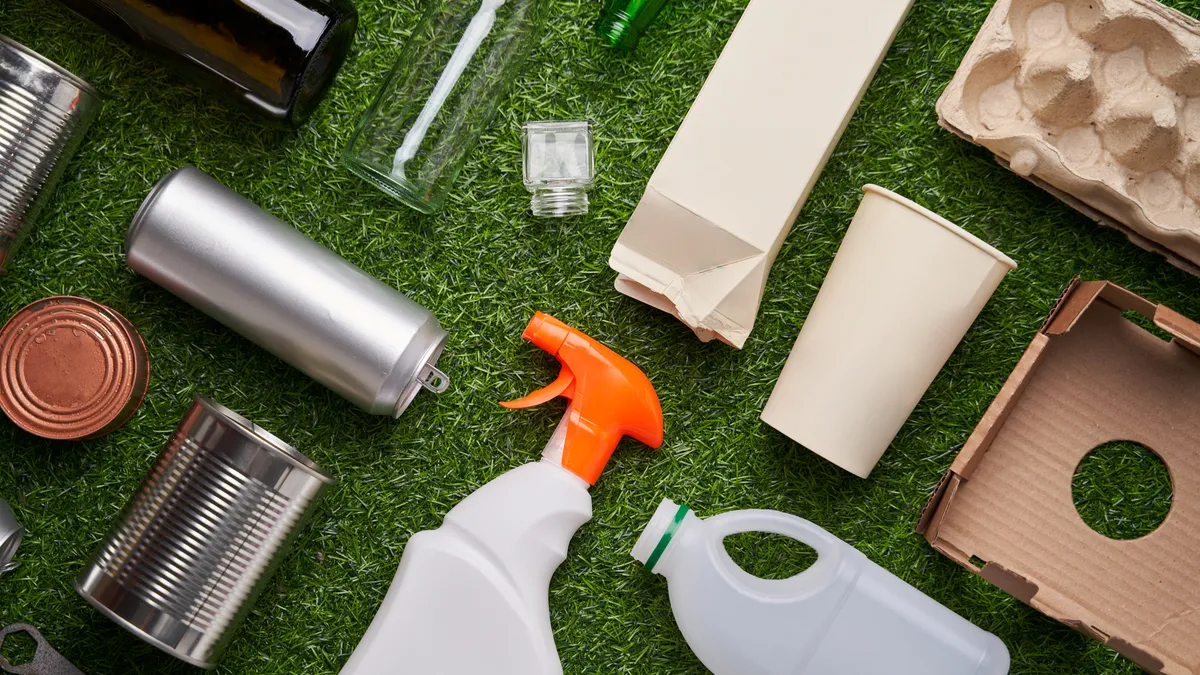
<point x="904" y="288"/>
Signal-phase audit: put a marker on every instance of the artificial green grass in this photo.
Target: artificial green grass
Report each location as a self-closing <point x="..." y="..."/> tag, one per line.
<point x="484" y="265"/>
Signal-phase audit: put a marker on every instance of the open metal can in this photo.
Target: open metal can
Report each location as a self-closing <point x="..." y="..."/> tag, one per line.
<point x="44" y="112"/>
<point x="199" y="540"/>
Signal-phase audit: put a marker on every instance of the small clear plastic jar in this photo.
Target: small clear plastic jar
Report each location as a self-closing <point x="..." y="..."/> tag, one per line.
<point x="559" y="167"/>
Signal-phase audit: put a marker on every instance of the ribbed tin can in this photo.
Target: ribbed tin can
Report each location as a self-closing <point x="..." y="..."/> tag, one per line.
<point x="71" y="369"/>
<point x="286" y="293"/>
<point x="202" y="535"/>
<point x="44" y="112"/>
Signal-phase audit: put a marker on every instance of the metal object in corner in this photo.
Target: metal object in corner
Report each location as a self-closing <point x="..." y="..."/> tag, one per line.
<point x="11" y="534"/>
<point x="44" y="112"/>
<point x="46" y="661"/>
<point x="199" y="540"/>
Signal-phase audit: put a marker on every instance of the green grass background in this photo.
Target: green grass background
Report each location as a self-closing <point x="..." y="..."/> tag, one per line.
<point x="484" y="265"/>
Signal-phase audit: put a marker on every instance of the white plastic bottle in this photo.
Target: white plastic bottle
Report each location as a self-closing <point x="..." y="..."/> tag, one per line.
<point x="845" y="615"/>
<point x="471" y="597"/>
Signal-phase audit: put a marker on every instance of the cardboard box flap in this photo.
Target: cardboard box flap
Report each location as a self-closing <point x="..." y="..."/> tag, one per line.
<point x="1080" y="296"/>
<point x="1186" y="331"/>
<point x="1062" y="300"/>
<point x="1099" y="378"/>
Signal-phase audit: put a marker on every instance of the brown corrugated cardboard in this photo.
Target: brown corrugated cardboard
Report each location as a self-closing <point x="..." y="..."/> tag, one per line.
<point x="723" y="198"/>
<point x="1005" y="509"/>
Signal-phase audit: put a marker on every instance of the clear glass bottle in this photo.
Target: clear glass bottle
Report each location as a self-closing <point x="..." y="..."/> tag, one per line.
<point x="442" y="94"/>
<point x="559" y="167"/>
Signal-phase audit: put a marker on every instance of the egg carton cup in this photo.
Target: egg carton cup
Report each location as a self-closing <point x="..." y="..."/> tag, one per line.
<point x="1098" y="101"/>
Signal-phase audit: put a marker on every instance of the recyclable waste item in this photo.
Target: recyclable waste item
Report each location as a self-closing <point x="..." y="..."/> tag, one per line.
<point x="223" y="502"/>
<point x="722" y="200"/>
<point x="443" y="93"/>
<point x="46" y="661"/>
<point x="905" y="286"/>
<point x="71" y="369"/>
<point x="845" y="614"/>
<point x="286" y="293"/>
<point x="1096" y="102"/>
<point x="44" y="112"/>
<point x="1006" y="510"/>
<point x="278" y="57"/>
<point x="471" y="596"/>
<point x="11" y="534"/>
<point x="623" y="21"/>
<point x="559" y="167"/>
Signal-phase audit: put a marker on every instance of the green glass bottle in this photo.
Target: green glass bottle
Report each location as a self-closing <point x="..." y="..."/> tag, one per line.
<point x="624" y="21"/>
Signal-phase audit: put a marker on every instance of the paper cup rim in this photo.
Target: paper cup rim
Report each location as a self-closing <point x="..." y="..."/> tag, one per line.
<point x="970" y="238"/>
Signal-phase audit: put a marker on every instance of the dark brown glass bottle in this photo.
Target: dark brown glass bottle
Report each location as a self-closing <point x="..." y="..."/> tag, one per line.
<point x="278" y="56"/>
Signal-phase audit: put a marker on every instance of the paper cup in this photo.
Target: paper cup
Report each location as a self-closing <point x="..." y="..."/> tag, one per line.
<point x="903" y="290"/>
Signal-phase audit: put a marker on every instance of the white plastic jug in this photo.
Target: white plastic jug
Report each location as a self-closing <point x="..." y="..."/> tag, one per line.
<point x="845" y="615"/>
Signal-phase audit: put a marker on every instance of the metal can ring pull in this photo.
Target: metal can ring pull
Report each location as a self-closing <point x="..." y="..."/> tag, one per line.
<point x="45" y="660"/>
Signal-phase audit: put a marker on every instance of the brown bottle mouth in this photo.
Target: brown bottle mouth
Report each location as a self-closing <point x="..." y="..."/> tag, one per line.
<point x="71" y="369"/>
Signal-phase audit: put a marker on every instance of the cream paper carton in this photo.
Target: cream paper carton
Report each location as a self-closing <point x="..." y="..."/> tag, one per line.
<point x="725" y="195"/>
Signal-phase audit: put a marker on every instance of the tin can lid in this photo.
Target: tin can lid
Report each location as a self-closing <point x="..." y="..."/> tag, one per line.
<point x="71" y="369"/>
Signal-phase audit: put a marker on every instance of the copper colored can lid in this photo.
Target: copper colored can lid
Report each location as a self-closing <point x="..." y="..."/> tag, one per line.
<point x="71" y="369"/>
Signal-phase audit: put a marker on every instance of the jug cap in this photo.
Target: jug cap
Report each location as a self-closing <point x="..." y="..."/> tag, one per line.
<point x="659" y="533"/>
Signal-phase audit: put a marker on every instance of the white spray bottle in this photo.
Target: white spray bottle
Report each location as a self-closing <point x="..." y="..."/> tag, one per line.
<point x="471" y="597"/>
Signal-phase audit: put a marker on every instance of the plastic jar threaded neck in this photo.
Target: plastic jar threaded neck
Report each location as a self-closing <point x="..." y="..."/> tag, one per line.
<point x="557" y="202"/>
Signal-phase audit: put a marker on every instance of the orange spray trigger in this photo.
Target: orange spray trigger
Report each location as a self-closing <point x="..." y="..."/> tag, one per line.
<point x="559" y="387"/>
<point x="610" y="397"/>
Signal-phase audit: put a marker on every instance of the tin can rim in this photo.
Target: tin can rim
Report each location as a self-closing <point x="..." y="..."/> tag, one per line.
<point x="266" y="437"/>
<point x="133" y="628"/>
<point x="58" y="70"/>
<point x="98" y="417"/>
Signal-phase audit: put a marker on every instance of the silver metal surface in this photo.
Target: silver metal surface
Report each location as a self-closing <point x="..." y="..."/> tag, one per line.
<point x="11" y="533"/>
<point x="283" y="291"/>
<point x="44" y="112"/>
<point x="200" y="538"/>
<point x="45" y="661"/>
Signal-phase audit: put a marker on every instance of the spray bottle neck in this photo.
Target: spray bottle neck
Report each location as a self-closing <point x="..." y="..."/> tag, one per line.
<point x="553" y="454"/>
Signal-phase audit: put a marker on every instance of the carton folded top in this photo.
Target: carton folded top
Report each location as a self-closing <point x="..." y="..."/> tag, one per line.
<point x="1005" y="509"/>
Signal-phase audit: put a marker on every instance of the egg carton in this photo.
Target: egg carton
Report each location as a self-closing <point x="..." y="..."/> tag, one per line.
<point x="1098" y="101"/>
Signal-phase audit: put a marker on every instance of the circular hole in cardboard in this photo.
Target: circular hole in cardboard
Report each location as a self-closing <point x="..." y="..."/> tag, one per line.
<point x="1122" y="490"/>
<point x="769" y="556"/>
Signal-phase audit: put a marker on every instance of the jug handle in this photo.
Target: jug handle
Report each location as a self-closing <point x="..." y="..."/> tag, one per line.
<point x="829" y="549"/>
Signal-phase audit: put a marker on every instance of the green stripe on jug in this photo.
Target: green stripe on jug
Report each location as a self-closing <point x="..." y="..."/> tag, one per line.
<point x="666" y="538"/>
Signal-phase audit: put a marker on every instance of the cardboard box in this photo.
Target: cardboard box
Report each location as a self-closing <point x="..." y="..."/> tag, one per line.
<point x="725" y="195"/>
<point x="1005" y="509"/>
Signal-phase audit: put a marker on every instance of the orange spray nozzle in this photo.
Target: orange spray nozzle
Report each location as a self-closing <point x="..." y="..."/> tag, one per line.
<point x="610" y="397"/>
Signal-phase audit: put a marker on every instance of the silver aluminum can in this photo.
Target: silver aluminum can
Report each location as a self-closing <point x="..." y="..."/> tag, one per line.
<point x="11" y="533"/>
<point x="202" y="535"/>
<point x="44" y="112"/>
<point x="286" y="293"/>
